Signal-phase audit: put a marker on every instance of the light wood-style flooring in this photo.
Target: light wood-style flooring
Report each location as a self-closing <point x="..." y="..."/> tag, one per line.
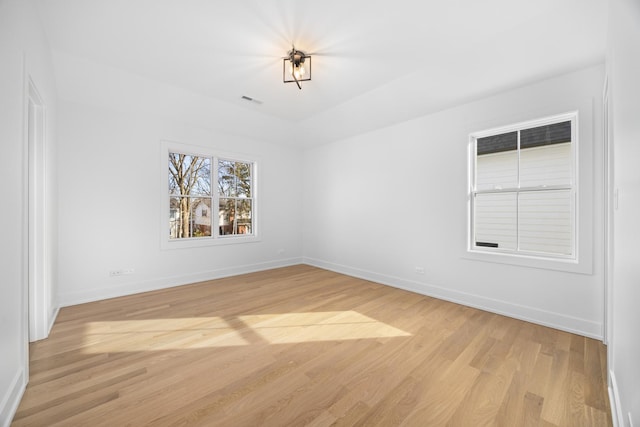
<point x="303" y="346"/>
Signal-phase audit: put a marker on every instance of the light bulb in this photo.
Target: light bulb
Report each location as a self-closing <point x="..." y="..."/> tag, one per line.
<point x="297" y="70"/>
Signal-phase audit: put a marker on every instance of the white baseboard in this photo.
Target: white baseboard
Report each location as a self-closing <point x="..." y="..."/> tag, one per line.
<point x="52" y="319"/>
<point x="530" y="314"/>
<point x="11" y="400"/>
<point x="614" y="401"/>
<point x="130" y="288"/>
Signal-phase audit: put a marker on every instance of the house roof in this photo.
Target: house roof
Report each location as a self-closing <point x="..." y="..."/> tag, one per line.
<point x="532" y="137"/>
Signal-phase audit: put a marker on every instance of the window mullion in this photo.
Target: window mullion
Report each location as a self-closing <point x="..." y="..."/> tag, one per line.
<point x="234" y="229"/>
<point x="545" y="188"/>
<point x="518" y="196"/>
<point x="235" y="216"/>
<point x="215" y="199"/>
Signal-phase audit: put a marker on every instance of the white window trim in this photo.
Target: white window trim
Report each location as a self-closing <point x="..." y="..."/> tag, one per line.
<point x="215" y="239"/>
<point x="546" y="261"/>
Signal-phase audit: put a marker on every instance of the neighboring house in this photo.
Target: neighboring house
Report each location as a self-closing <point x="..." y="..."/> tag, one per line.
<point x="200" y="220"/>
<point x="543" y="219"/>
<point x="227" y="217"/>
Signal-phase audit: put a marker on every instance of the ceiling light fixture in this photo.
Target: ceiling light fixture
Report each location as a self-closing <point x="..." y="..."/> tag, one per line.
<point x="296" y="67"/>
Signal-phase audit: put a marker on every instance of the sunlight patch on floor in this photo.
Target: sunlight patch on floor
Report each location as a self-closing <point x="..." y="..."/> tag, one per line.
<point x="207" y="332"/>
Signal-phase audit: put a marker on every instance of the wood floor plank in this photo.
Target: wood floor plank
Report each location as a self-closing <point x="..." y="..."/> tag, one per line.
<point x="302" y="346"/>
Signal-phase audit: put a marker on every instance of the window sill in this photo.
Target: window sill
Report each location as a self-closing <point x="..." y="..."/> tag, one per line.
<point x="206" y="242"/>
<point x="558" y="264"/>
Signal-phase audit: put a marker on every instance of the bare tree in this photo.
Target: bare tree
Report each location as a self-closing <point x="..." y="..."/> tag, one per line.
<point x="189" y="179"/>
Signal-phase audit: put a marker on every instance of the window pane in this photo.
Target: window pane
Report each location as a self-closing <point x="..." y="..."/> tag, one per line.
<point x="497" y="161"/>
<point x="556" y="133"/>
<point x="189" y="175"/>
<point x="497" y="143"/>
<point x="244" y="224"/>
<point x="545" y="165"/>
<point x="545" y="223"/>
<point x="496" y="220"/>
<point x="201" y="213"/>
<point x="189" y="217"/>
<point x="243" y="179"/>
<point x="234" y="178"/>
<point x="227" y="214"/>
<point x="179" y="217"/>
<point x="202" y="172"/>
<point x="226" y="178"/>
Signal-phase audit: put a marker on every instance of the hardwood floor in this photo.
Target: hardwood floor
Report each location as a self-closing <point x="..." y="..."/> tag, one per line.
<point x="304" y="346"/>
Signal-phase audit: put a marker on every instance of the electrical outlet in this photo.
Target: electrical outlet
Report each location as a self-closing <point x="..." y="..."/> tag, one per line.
<point x="280" y="251"/>
<point x="419" y="270"/>
<point x="122" y="272"/>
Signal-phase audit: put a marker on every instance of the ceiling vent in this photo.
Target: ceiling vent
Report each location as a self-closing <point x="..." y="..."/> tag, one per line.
<point x="250" y="99"/>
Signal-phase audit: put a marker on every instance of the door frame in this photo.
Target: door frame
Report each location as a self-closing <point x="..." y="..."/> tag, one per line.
<point x="37" y="287"/>
<point x="609" y="208"/>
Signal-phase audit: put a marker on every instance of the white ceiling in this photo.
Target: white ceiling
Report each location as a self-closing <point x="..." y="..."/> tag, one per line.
<point x="374" y="61"/>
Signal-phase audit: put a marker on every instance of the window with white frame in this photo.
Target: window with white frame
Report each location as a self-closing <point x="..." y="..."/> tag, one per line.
<point x="235" y="202"/>
<point x="210" y="198"/>
<point x="523" y="189"/>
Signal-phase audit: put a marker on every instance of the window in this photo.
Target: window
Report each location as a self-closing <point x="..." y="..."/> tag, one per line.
<point x="189" y="194"/>
<point x="235" y="203"/>
<point x="523" y="189"/>
<point x="211" y="198"/>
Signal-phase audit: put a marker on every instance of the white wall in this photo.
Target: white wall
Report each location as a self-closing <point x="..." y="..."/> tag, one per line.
<point x="23" y="52"/>
<point x="110" y="190"/>
<point x="380" y="204"/>
<point x="624" y="70"/>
